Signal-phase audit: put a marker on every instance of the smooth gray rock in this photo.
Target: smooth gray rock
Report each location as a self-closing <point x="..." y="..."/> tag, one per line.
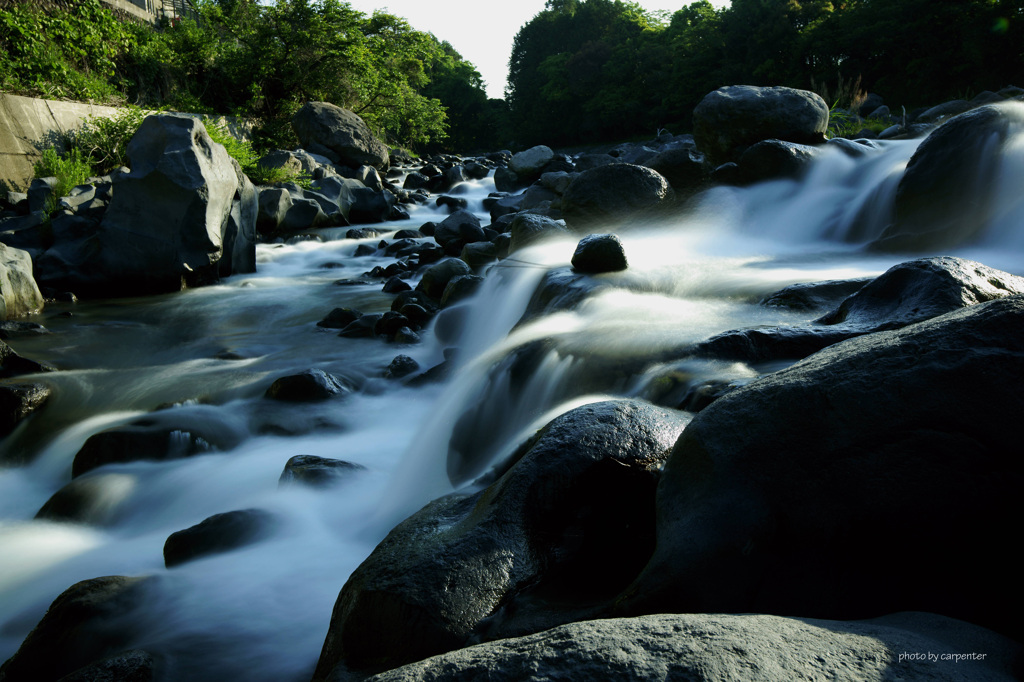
<point x="316" y="472"/>
<point x="529" y="163"/>
<point x="732" y="118"/>
<point x="19" y="294"/>
<point x="325" y="126"/>
<point x="710" y="648"/>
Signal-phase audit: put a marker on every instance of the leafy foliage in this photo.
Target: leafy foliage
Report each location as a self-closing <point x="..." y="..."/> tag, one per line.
<point x="591" y="69"/>
<point x="255" y="59"/>
<point x="70" y="169"/>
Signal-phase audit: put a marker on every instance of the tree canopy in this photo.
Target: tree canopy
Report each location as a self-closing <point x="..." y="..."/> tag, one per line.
<point x="590" y="69"/>
<point x="256" y="59"/>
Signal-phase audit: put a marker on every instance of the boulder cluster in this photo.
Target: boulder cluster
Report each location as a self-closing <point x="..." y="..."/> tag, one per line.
<point x="838" y="517"/>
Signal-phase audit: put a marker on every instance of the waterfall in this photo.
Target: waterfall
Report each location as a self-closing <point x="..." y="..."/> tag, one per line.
<point x="205" y="356"/>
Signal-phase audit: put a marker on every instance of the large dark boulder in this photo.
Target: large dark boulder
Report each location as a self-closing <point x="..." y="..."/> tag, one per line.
<point x="880" y="474"/>
<point x="731" y="119"/>
<point x="945" y="196"/>
<point x="169" y="223"/>
<point x="612" y="194"/>
<point x="340" y="135"/>
<point x="90" y="621"/>
<point x="709" y="648"/>
<point x="562" y="531"/>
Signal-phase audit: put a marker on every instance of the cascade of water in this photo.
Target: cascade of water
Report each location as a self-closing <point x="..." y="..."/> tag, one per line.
<point x="261" y="612"/>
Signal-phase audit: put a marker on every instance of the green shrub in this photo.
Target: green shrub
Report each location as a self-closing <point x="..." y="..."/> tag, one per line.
<point x="247" y="157"/>
<point x="70" y="169"/>
<point x="104" y="141"/>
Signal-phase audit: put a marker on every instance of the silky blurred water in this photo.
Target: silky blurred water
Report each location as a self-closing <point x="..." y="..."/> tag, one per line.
<point x="207" y="355"/>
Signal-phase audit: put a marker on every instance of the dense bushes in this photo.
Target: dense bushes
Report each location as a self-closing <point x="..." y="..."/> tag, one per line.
<point x="242" y="57"/>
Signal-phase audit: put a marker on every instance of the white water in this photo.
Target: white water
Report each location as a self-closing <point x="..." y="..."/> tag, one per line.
<point x="261" y="612"/>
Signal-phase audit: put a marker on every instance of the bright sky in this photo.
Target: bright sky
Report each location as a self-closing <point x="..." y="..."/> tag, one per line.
<point x="482" y="30"/>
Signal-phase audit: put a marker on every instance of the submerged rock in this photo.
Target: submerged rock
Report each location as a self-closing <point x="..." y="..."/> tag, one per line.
<point x="316" y="472"/>
<point x="217" y="534"/>
<point x="945" y="195"/>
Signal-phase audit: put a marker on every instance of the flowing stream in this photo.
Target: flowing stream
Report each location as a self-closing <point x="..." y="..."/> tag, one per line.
<point x="207" y="355"/>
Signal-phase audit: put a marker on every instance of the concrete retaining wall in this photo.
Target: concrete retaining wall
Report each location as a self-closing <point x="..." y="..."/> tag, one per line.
<point x="28" y="125"/>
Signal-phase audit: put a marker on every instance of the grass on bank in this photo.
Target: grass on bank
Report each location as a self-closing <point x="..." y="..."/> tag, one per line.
<point x="101" y="146"/>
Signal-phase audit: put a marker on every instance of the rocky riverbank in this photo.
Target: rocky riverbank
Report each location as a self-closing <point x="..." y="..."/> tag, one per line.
<point x="846" y="494"/>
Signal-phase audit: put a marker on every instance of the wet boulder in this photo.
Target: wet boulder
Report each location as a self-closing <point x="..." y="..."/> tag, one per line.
<point x="437" y="276"/>
<point x="13" y="365"/>
<point x="682" y="167"/>
<point x="597" y="253"/>
<point x="878" y="475"/>
<point x="461" y="225"/>
<point x="945" y="196"/>
<point x="519" y="556"/>
<point x="774" y="160"/>
<point x="19" y="294"/>
<point x="340" y="135"/>
<point x="89" y="622"/>
<point x="18" y="402"/>
<point x="339" y="318"/>
<point x="128" y="666"/>
<point x="165" y="227"/>
<point x="217" y="534"/>
<point x="97" y="499"/>
<point x="704" y="647"/>
<point x="313" y="385"/>
<point x="162" y="435"/>
<point x="612" y="194"/>
<point x="528" y="164"/>
<point x="530" y="228"/>
<point x="733" y="118"/>
<point x="905" y="294"/>
<point x="316" y="472"/>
